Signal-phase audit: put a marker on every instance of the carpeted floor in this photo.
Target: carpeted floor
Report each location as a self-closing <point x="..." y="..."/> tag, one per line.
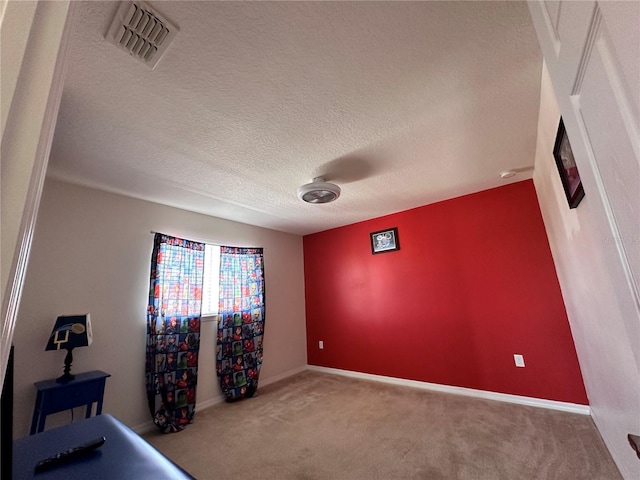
<point x="319" y="426"/>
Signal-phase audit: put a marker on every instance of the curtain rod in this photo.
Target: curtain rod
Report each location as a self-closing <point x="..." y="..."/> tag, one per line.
<point x="199" y="240"/>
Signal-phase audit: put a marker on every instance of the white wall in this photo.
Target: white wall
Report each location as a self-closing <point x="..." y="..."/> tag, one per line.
<point x="584" y="271"/>
<point x="34" y="39"/>
<point x="91" y="253"/>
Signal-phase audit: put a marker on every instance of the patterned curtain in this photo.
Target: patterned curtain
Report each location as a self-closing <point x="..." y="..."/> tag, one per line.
<point x="173" y="331"/>
<point x="241" y="328"/>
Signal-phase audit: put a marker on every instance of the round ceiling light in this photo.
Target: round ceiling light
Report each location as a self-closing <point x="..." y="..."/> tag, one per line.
<point x="318" y="191"/>
<point x="508" y="174"/>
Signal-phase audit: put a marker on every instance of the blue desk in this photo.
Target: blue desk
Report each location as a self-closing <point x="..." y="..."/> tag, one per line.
<point x="85" y="389"/>
<point x="125" y="455"/>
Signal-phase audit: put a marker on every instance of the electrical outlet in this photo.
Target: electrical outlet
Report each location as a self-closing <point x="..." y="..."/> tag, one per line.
<point x="320" y="344"/>
<point x="519" y="359"/>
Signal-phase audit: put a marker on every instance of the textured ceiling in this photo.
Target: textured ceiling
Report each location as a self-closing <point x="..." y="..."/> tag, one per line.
<point x="400" y="104"/>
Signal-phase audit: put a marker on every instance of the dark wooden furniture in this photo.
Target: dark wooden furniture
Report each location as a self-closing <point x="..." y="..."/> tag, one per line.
<point x="85" y="389"/>
<point x="125" y="455"/>
<point x="6" y="421"/>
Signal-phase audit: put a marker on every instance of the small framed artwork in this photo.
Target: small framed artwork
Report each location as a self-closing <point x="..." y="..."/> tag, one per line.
<point x="385" y="241"/>
<point x="567" y="168"/>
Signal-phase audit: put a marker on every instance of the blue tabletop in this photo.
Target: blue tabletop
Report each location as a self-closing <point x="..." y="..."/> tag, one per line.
<point x="79" y="378"/>
<point x="124" y="455"/>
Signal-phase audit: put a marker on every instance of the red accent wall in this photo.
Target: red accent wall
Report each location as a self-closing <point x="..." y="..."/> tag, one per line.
<point x="473" y="284"/>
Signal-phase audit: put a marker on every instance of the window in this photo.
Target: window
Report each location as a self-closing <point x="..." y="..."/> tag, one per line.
<point x="210" y="284"/>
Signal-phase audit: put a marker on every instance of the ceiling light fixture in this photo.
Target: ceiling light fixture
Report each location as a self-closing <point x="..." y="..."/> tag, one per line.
<point x="318" y="191"/>
<point x="507" y="174"/>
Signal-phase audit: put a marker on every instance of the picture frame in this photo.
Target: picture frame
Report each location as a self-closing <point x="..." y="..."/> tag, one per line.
<point x="384" y="241"/>
<point x="567" y="168"/>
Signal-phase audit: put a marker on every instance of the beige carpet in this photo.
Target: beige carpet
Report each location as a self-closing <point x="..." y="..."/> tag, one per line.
<point x="319" y="426"/>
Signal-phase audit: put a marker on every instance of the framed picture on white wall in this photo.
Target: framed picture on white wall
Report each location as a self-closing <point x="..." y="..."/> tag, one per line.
<point x="567" y="168"/>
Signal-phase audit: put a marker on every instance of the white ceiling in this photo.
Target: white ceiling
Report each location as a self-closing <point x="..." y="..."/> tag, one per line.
<point x="400" y="104"/>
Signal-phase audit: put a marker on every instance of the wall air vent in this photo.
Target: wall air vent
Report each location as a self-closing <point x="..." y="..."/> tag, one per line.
<point x="141" y="31"/>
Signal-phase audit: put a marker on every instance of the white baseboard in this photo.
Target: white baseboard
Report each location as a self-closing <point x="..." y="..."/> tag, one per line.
<point x="470" y="392"/>
<point x="146" y="427"/>
<point x="143" y="428"/>
<point x="282" y="376"/>
<point x="209" y="403"/>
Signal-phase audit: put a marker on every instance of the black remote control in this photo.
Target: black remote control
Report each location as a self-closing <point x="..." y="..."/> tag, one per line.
<point x="75" y="452"/>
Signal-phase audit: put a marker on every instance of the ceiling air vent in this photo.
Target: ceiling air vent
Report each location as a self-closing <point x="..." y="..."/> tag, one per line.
<point x="142" y="32"/>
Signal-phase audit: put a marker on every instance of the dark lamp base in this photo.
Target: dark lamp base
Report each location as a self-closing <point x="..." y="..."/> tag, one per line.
<point x="68" y="359"/>
<point x="65" y="378"/>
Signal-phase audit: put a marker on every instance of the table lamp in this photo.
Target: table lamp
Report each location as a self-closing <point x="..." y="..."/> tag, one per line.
<point x="70" y="332"/>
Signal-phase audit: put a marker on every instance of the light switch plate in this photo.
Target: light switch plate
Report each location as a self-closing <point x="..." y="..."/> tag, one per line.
<point x="320" y="344"/>
<point x="519" y="359"/>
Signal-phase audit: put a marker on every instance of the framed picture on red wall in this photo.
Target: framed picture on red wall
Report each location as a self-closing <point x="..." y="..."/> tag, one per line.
<point x="385" y="241"/>
<point x="567" y="168"/>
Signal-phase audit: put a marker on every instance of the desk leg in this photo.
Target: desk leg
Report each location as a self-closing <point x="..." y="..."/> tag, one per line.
<point x="88" y="414"/>
<point x="43" y="417"/>
<point x="100" y="398"/>
<point x="37" y="410"/>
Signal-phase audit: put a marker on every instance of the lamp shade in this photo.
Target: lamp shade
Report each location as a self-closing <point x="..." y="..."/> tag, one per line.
<point x="70" y="332"/>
